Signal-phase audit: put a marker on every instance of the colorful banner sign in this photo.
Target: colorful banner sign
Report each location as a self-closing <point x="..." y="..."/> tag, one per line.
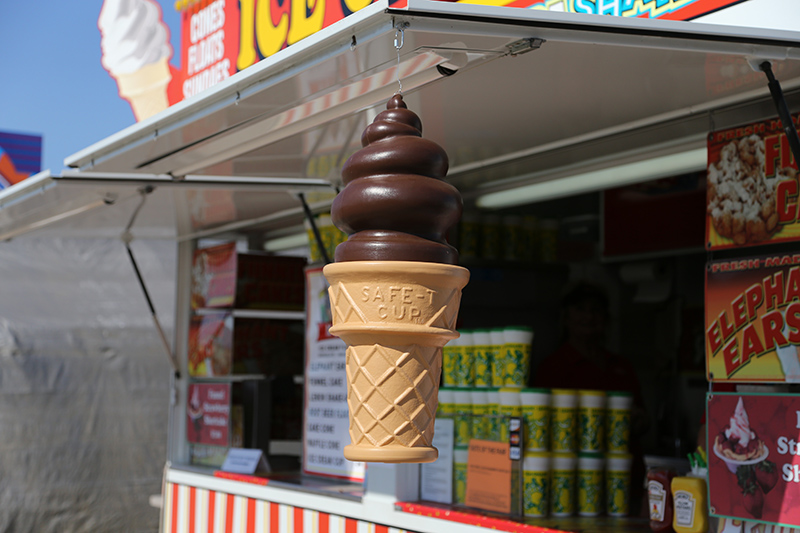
<point x="753" y="463"/>
<point x="208" y="413"/>
<point x="222" y="37"/>
<point x="753" y="319"/>
<point x="665" y="9"/>
<point x="752" y="189"/>
<point x="326" y="429"/>
<point x="20" y="156"/>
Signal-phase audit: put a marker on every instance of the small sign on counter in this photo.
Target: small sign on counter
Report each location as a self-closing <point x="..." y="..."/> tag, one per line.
<point x="489" y="476"/>
<point x="245" y="461"/>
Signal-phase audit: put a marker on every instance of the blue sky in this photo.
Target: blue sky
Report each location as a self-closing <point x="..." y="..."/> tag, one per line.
<point x="51" y="80"/>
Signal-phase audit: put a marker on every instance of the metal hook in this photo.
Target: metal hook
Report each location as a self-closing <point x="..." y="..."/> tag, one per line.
<point x="398" y="44"/>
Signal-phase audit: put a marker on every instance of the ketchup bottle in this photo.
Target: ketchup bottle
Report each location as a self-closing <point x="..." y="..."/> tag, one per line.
<point x="659" y="499"/>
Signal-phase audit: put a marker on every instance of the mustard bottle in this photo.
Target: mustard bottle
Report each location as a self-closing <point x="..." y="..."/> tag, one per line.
<point x="690" y="513"/>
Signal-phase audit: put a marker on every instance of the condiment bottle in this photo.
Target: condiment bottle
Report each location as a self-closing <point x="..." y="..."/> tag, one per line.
<point x="659" y="499"/>
<point x="691" y="509"/>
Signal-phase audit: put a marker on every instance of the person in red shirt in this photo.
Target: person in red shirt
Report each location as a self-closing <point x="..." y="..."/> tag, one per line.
<point x="583" y="362"/>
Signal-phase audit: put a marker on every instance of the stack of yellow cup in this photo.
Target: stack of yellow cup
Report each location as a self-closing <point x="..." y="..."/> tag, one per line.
<point x="618" y="460"/>
<point x="493" y="413"/>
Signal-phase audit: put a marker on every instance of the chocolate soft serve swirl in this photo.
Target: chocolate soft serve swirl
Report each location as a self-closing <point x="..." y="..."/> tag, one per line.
<point x="395" y="206"/>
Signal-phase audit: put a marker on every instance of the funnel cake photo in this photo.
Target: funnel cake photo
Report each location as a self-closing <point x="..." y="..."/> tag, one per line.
<point x="741" y="199"/>
<point x="737" y="443"/>
<point x="395" y="289"/>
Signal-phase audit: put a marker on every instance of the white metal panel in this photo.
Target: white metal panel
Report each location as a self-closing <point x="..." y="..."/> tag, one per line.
<point x="592" y="76"/>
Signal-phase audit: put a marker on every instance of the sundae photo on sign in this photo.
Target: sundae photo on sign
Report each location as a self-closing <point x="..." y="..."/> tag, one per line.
<point x="753" y="470"/>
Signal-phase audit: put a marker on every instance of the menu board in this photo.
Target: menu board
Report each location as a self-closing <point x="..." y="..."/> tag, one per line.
<point x="752" y="325"/>
<point x="208" y="413"/>
<point x="753" y="462"/>
<point x="752" y="190"/>
<point x="326" y="428"/>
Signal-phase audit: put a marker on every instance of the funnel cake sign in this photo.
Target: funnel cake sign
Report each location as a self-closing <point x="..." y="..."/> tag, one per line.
<point x="753" y="319"/>
<point x="752" y="189"/>
<point x="753" y="464"/>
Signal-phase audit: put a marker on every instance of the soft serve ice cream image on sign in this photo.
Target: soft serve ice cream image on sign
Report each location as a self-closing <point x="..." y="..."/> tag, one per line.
<point x="136" y="52"/>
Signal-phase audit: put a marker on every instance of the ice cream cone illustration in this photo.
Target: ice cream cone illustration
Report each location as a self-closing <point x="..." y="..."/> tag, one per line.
<point x="394" y="289"/>
<point x="136" y="52"/>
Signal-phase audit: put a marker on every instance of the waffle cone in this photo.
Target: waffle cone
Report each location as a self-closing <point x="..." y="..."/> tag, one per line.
<point x="146" y="88"/>
<point x="395" y="316"/>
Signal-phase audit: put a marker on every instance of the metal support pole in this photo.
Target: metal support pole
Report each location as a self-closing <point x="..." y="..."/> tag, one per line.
<point x="783" y="110"/>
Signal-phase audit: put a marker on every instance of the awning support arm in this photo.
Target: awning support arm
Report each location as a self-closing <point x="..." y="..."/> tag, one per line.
<point x="126" y="239"/>
<point x="314" y="229"/>
<point x="783" y="110"/>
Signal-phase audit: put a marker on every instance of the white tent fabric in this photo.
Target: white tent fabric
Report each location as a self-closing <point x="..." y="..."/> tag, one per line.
<point x="84" y="384"/>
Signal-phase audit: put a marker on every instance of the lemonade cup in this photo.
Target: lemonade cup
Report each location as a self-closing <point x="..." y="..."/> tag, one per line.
<point x="536" y="483"/>
<point x="482" y="353"/>
<point x="497" y="339"/>
<point x="536" y="418"/>
<point x="618" y="483"/>
<point x="562" y="484"/>
<point x="509" y="406"/>
<point x="590" y="484"/>
<point x="516" y="352"/>
<point x="462" y="398"/>
<point x="591" y="420"/>
<point x="563" y="420"/>
<point x="618" y="421"/>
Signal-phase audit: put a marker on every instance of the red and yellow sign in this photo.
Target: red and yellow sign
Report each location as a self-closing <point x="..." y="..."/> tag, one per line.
<point x="753" y="457"/>
<point x="752" y="188"/>
<point x="753" y="319"/>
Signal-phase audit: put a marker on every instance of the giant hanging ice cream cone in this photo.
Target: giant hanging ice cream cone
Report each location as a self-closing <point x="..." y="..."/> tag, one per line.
<point x="394" y="289"/>
<point x="136" y="52"/>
